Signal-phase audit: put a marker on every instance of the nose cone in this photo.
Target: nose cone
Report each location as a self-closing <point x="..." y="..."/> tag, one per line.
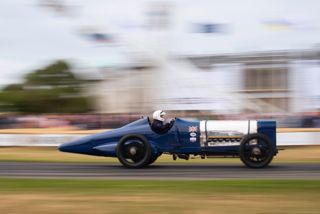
<point x="82" y="146"/>
<point x="65" y="147"/>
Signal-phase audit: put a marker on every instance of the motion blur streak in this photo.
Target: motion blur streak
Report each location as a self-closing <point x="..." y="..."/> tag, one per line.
<point x="73" y="67"/>
<point x="198" y="59"/>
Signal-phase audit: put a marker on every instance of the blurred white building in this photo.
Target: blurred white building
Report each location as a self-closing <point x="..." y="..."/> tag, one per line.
<point x="226" y="57"/>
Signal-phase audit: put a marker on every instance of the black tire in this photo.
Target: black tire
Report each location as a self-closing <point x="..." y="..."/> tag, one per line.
<point x="256" y="151"/>
<point x="134" y="151"/>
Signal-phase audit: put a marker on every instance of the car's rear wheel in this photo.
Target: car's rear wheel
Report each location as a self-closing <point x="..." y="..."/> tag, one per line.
<point x="256" y="151"/>
<point x="134" y="151"/>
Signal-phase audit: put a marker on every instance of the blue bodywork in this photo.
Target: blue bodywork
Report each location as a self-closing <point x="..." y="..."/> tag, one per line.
<point x="176" y="141"/>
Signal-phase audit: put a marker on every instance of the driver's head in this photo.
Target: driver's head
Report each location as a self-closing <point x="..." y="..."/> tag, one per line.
<point x="159" y="115"/>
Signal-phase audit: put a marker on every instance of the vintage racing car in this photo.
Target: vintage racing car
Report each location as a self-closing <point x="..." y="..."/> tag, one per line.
<point x="137" y="145"/>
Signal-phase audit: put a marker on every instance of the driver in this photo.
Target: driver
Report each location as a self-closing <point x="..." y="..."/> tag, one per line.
<point x="159" y="125"/>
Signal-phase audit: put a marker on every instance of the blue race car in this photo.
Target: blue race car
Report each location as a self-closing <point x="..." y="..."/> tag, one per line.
<point x="138" y="144"/>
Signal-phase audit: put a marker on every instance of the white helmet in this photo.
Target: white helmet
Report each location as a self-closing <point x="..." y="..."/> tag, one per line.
<point x="159" y="115"/>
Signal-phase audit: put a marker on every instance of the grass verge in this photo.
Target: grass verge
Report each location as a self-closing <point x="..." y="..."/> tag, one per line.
<point x="112" y="196"/>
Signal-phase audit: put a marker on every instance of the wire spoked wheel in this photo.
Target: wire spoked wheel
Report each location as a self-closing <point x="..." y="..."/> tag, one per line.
<point x="134" y="151"/>
<point x="256" y="151"/>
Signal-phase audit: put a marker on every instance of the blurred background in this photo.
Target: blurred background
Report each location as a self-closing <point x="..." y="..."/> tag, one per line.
<point x="100" y="64"/>
<point x="69" y="68"/>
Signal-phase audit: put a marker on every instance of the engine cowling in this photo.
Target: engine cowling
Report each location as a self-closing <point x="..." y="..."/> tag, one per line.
<point x="226" y="132"/>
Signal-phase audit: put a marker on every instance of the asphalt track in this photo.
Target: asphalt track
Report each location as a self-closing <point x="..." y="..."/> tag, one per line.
<point x="158" y="171"/>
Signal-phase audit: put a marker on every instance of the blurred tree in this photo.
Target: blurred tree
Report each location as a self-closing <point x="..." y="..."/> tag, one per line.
<point x="53" y="89"/>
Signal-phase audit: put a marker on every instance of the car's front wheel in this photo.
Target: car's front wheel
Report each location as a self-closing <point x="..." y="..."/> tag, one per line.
<point x="256" y="151"/>
<point x="134" y="151"/>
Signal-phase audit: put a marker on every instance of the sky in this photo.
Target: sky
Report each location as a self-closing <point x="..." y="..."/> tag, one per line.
<point x="33" y="35"/>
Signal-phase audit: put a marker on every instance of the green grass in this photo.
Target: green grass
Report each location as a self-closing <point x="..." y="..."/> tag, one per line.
<point x="205" y="187"/>
<point x="170" y="196"/>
